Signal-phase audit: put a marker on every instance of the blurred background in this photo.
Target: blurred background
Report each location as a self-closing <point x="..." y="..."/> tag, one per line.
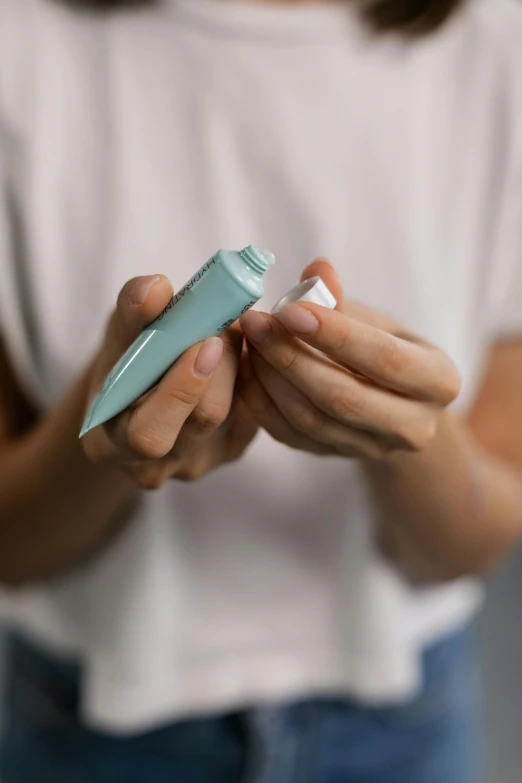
<point x="501" y="636"/>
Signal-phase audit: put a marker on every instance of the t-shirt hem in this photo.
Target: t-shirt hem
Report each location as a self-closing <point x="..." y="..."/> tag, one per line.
<point x="272" y="678"/>
<point x="374" y="677"/>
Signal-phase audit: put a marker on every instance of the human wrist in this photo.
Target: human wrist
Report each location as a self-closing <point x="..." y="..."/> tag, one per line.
<point x="443" y="480"/>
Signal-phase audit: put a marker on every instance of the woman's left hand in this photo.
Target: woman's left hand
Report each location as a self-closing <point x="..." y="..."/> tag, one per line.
<point x="349" y="382"/>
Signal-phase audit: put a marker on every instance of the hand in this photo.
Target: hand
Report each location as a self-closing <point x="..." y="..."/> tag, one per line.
<point x="349" y="382"/>
<point x="190" y="422"/>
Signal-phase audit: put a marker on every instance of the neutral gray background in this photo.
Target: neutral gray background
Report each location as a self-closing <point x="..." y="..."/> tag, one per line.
<point x="501" y="639"/>
<point x="501" y="633"/>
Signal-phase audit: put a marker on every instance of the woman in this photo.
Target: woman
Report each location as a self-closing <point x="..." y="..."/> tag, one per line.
<point x="302" y="612"/>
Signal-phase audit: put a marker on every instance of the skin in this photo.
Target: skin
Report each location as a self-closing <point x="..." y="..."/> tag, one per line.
<point x="388" y="412"/>
<point x="181" y="430"/>
<point x="448" y="492"/>
<point x="192" y="421"/>
<point x="391" y="415"/>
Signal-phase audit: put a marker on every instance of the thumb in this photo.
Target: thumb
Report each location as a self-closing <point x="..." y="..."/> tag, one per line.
<point x="140" y="301"/>
<point x="324" y="269"/>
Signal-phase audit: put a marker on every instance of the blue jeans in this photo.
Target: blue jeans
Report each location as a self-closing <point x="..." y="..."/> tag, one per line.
<point x="432" y="739"/>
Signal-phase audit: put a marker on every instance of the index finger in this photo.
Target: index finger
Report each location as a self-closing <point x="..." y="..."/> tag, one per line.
<point x="403" y="365"/>
<point x="150" y="430"/>
<point x="215" y="403"/>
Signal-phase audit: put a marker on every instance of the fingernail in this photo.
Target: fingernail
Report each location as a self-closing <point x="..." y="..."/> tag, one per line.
<point x="298" y="319"/>
<point x="208" y="357"/>
<point x="256" y="327"/>
<point x="141" y="288"/>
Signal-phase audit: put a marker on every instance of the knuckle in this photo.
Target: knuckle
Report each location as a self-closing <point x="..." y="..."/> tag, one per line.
<point x="145" y="443"/>
<point x="289" y="360"/>
<point x="418" y="435"/>
<point x="346" y="403"/>
<point x="305" y="419"/>
<point x="191" y="471"/>
<point x="184" y="397"/>
<point x="390" y="357"/>
<point x="375" y="451"/>
<point x="210" y="417"/>
<point x="257" y="403"/>
<point x="148" y="480"/>
<point x="93" y="450"/>
<point x="236" y="449"/>
<point x="344" y="341"/>
<point x="346" y="338"/>
<point x="449" y="385"/>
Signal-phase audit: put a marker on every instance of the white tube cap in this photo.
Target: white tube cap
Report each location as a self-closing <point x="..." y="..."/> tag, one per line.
<point x="312" y="290"/>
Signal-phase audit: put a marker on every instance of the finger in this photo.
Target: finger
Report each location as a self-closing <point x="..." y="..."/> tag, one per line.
<point x="151" y="475"/>
<point x="313" y="423"/>
<point x="324" y="269"/>
<point x="269" y="417"/>
<point x="140" y="301"/>
<point x="217" y="399"/>
<point x="367" y="315"/>
<point x="411" y="368"/>
<point x="225" y="446"/>
<point x="241" y="429"/>
<point x="354" y="401"/>
<point x="213" y="409"/>
<point x="150" y="430"/>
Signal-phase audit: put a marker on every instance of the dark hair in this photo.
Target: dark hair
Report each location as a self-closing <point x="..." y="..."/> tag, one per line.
<point x="413" y="17"/>
<point x="410" y="17"/>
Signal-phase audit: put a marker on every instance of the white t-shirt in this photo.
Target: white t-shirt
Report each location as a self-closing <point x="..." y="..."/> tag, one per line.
<point x="141" y="142"/>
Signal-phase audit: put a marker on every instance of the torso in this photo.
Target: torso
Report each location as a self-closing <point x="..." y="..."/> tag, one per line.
<point x="156" y="137"/>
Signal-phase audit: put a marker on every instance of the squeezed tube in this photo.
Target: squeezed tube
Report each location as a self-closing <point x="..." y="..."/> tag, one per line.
<point x="228" y="285"/>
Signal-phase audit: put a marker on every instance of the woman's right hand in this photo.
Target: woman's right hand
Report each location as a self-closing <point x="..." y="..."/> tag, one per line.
<point x="191" y="422"/>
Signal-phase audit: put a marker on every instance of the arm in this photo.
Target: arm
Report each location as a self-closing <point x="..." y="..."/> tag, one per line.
<point x="448" y="493"/>
<point x="55" y="506"/>
<point x="456" y="507"/>
<point x="60" y="498"/>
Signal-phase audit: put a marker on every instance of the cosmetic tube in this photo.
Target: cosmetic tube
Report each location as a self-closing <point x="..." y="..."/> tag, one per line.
<point x="228" y="285"/>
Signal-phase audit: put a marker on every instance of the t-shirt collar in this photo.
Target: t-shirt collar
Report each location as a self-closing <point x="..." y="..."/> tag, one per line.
<point x="269" y="22"/>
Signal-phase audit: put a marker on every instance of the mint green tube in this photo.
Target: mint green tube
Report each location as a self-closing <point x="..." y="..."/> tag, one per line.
<point x="229" y="284"/>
